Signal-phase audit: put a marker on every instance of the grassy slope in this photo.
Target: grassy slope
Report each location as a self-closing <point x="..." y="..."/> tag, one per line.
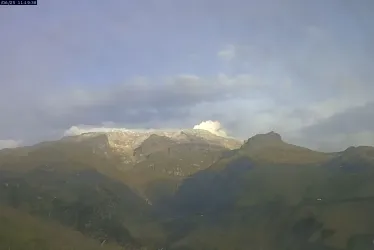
<point x="70" y="171"/>
<point x="86" y="201"/>
<point x="163" y="164"/>
<point x="20" y="231"/>
<point x="268" y="198"/>
<point x="262" y="196"/>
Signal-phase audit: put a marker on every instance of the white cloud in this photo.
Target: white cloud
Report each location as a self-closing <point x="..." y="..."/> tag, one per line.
<point x="214" y="127"/>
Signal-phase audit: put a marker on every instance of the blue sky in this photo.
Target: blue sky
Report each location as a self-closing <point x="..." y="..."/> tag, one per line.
<point x="302" y="68"/>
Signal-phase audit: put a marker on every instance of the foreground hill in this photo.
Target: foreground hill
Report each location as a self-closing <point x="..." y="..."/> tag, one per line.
<point x="20" y="231"/>
<point x="86" y="201"/>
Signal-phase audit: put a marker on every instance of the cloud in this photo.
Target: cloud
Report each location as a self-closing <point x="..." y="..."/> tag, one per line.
<point x="282" y="68"/>
<point x="214" y="127"/>
<point x="143" y="99"/>
<point x="179" y="90"/>
<point x="341" y="141"/>
<point x="351" y="120"/>
<point x="228" y="53"/>
<point x="139" y="102"/>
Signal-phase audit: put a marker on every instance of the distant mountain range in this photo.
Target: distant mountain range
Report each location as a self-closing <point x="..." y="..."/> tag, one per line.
<point x="138" y="158"/>
<point x="187" y="189"/>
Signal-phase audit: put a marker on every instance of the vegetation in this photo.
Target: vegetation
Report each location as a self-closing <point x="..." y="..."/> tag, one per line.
<point x="85" y="201"/>
<point x="20" y="231"/>
<point x="266" y="195"/>
<point x="250" y="202"/>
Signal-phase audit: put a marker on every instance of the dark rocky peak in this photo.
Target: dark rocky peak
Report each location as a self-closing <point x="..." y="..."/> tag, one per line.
<point x="267" y="139"/>
<point x="261" y="141"/>
<point x="360" y="151"/>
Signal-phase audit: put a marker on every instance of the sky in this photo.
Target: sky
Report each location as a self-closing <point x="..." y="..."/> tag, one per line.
<point x="301" y="68"/>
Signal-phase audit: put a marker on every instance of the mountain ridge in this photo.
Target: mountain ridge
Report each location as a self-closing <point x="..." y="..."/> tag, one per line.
<point x="255" y="199"/>
<point x="138" y="159"/>
<point x="178" y="188"/>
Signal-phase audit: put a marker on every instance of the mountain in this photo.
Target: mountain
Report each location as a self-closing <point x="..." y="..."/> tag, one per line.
<point x="104" y="184"/>
<point x="157" y="160"/>
<point x="188" y="190"/>
<point x="270" y="148"/>
<point x="136" y="158"/>
<point x="273" y="195"/>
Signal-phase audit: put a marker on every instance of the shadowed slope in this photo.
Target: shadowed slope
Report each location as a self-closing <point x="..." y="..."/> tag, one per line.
<point x="20" y="231"/>
<point x="272" y="195"/>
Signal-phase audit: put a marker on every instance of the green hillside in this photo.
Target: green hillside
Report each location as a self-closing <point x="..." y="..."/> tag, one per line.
<point x="83" y="184"/>
<point x="20" y="231"/>
<point x="248" y="200"/>
<point x="86" y="201"/>
<point x="267" y="195"/>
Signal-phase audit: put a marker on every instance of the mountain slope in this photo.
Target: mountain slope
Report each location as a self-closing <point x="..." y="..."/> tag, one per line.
<point x="185" y="190"/>
<point x="154" y="163"/>
<point x="270" y="148"/>
<point x="21" y="231"/>
<point x="86" y="201"/>
<point x="126" y="155"/>
<point x="256" y="198"/>
<point x="103" y="184"/>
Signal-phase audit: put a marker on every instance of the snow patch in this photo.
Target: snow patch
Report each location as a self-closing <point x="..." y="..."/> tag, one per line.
<point x="213" y="127"/>
<point x="81" y="129"/>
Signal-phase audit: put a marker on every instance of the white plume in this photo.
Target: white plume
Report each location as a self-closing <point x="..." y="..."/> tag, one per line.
<point x="213" y="127"/>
